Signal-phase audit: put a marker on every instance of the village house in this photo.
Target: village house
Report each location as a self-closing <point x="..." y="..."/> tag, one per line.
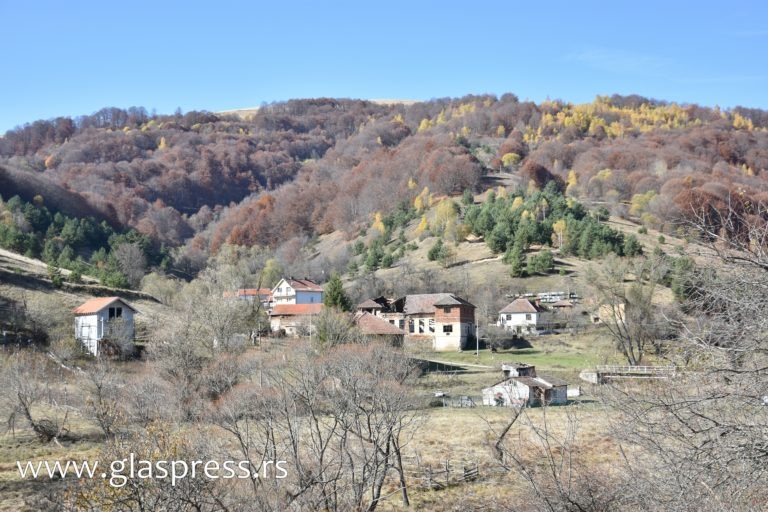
<point x="297" y="291"/>
<point x="103" y="319"/>
<point x="294" y="319"/>
<point x="523" y="316"/>
<point x="441" y="321"/>
<point x="377" y="329"/>
<point x="524" y="388"/>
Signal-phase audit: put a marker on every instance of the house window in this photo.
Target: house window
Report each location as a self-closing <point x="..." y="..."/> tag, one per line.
<point x="509" y="317"/>
<point x="447" y="329"/>
<point x="410" y="326"/>
<point x="421" y="326"/>
<point x="528" y="316"/>
<point x="446" y="310"/>
<point x="431" y="325"/>
<point x="401" y="323"/>
<point x="115" y="313"/>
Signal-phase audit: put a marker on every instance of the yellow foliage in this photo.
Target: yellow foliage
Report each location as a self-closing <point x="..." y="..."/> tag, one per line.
<point x="510" y="159"/>
<point x="501" y="131"/>
<point x="378" y="141"/>
<point x="425" y="124"/>
<point x="51" y="162"/>
<point x="639" y="202"/>
<point x="423" y="225"/>
<point x="163" y="144"/>
<point x="398" y="119"/>
<point x="422" y="200"/>
<point x="572" y="178"/>
<point x="604" y="174"/>
<point x="411" y="184"/>
<point x="532" y="187"/>
<point x="517" y="203"/>
<point x="558" y="234"/>
<point x="431" y="200"/>
<point x="445" y="213"/>
<point x="441" y="117"/>
<point x="466" y="131"/>
<point x="742" y="123"/>
<point x="377" y="223"/>
<point x="501" y="192"/>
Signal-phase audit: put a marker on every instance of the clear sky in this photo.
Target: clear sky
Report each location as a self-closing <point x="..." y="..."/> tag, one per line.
<point x="67" y="58"/>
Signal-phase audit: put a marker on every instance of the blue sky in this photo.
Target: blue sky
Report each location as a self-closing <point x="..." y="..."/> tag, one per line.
<point x="72" y="58"/>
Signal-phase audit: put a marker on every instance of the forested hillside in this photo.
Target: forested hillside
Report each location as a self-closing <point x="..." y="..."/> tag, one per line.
<point x="298" y="169"/>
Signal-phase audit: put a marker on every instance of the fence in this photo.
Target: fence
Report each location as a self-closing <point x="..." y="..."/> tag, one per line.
<point x="439" y="476"/>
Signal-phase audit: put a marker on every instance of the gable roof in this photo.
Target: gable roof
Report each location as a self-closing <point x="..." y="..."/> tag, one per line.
<point x="562" y="304"/>
<point x="425" y="303"/>
<point x="370" y="304"/>
<point x="521" y="306"/>
<point x="453" y="300"/>
<point x="296" y="309"/>
<point x="303" y="285"/>
<point x="93" y="306"/>
<point x="371" y="324"/>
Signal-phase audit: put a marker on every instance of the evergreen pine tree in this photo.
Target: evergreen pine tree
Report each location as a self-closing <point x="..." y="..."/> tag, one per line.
<point x="334" y="296"/>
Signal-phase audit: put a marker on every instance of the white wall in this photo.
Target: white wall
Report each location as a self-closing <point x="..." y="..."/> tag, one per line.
<point x="90" y="329"/>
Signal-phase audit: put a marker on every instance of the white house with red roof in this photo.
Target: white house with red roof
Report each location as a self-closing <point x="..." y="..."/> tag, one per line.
<point x="524" y="316"/>
<point x="297" y="291"/>
<point x="95" y="318"/>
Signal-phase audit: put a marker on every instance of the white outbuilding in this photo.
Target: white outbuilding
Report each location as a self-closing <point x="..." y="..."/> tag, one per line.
<point x="99" y="319"/>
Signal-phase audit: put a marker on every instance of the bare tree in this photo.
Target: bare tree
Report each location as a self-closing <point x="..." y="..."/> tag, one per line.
<point x="702" y="436"/>
<point x="628" y="311"/>
<point x="29" y="395"/>
<point x="132" y="262"/>
<point x="547" y="459"/>
<point x="103" y="404"/>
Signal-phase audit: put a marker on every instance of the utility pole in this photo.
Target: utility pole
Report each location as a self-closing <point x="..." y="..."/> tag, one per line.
<point x="477" y="340"/>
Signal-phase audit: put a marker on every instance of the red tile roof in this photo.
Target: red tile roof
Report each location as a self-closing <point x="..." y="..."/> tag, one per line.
<point x="521" y="306"/>
<point x="296" y="309"/>
<point x="371" y="324"/>
<point x="93" y="306"/>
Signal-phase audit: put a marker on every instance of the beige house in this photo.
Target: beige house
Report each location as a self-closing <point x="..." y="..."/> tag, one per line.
<point x="294" y="319"/>
<point x="434" y="321"/>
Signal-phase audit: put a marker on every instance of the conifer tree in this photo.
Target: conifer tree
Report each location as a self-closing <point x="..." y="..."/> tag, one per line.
<point x="334" y="296"/>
